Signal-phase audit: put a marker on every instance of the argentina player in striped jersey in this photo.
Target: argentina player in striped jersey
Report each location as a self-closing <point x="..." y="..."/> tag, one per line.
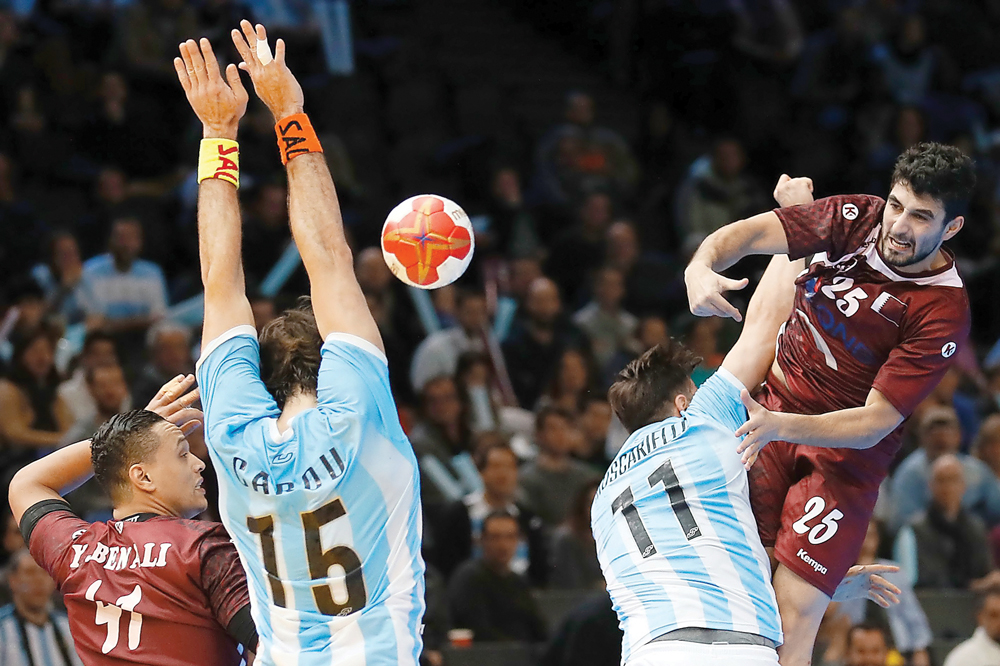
<point x="676" y="537"/>
<point x="318" y="485"/>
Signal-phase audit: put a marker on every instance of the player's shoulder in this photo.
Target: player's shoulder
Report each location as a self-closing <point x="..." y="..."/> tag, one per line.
<point x="355" y="347"/>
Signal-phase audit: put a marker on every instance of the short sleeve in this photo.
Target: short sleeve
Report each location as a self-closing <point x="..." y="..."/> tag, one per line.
<point x="834" y="225"/>
<point x="222" y="576"/>
<point x="51" y="535"/>
<point x="232" y="392"/>
<point x="353" y="375"/>
<point x="718" y="399"/>
<point x="917" y="364"/>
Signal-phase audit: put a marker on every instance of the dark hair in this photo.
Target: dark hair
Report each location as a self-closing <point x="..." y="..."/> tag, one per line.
<point x="498" y="515"/>
<point x="19" y="373"/>
<point x="867" y="626"/>
<point x="554" y="389"/>
<point x="290" y="353"/>
<point x="91" y="372"/>
<point x="124" y="440"/>
<point x="545" y="413"/>
<point x="484" y="448"/>
<point x="943" y="172"/>
<point x="98" y="335"/>
<point x="651" y="381"/>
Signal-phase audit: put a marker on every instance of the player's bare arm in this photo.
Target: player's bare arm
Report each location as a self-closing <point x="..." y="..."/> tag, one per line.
<point x="313" y="209"/>
<point x="60" y="472"/>
<point x="219" y="104"/>
<point x="855" y="428"/>
<point x="760" y="234"/>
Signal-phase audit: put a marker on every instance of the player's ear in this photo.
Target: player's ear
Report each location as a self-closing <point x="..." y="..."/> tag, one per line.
<point x="139" y="477"/>
<point x="953" y="227"/>
<point x="681" y="402"/>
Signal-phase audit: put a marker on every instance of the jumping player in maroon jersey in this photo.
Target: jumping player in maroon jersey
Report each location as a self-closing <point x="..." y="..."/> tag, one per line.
<point x="149" y="587"/>
<point x="877" y="317"/>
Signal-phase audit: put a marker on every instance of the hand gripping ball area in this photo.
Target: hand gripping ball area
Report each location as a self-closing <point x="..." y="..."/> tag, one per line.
<point x="427" y="241"/>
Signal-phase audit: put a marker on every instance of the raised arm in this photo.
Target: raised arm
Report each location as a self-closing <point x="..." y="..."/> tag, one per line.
<point x="219" y="104"/>
<point x="760" y="234"/>
<point x="60" y="472"/>
<point x="313" y="210"/>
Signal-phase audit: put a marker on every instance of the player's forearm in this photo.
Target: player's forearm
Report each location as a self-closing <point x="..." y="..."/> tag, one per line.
<point x="855" y="428"/>
<point x="51" y="477"/>
<point x="760" y="234"/>
<point x="314" y="211"/>
<point x="220" y="238"/>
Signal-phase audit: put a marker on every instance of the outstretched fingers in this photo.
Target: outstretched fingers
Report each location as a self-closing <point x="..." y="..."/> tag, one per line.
<point x="245" y="50"/>
<point x="211" y="62"/>
<point x="182" y="74"/>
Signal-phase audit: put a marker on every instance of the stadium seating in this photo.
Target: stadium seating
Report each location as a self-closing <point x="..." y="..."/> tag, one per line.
<point x="491" y="654"/>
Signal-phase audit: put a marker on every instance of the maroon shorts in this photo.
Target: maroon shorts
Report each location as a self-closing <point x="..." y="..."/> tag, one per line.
<point x="813" y="504"/>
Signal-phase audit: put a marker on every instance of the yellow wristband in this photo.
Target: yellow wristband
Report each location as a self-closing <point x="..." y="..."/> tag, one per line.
<point x="219" y="158"/>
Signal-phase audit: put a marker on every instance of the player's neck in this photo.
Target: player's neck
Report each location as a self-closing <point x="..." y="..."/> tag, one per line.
<point x="294" y="406"/>
<point x="142" y="504"/>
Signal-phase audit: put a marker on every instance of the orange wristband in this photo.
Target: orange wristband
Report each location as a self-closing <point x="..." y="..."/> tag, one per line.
<point x="296" y="136"/>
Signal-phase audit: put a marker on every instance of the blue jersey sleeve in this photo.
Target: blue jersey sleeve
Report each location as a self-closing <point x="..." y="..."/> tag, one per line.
<point x="232" y="392"/>
<point x="353" y="377"/>
<point x="718" y="399"/>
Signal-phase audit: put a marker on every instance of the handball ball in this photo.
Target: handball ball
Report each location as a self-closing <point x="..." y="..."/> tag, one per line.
<point x="427" y="241"/>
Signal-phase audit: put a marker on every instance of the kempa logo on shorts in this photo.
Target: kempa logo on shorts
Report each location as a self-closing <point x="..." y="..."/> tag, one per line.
<point x="817" y="567"/>
<point x="948" y="349"/>
<point x="850" y="211"/>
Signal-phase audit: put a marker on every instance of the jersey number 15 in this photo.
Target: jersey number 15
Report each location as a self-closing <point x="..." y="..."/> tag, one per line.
<point x="320" y="561"/>
<point x="625" y="503"/>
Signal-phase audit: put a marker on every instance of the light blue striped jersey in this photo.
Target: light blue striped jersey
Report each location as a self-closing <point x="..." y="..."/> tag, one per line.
<point x="140" y="291"/>
<point x="325" y="516"/>
<point x="676" y="538"/>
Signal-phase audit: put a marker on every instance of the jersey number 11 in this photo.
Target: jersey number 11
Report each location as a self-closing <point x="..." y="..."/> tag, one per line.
<point x="663" y="474"/>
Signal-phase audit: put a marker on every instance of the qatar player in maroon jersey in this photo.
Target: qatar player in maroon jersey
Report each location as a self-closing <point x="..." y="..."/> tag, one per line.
<point x="150" y="586"/>
<point x="877" y="317"/>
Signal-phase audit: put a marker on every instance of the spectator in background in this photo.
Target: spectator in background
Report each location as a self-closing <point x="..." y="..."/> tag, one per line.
<point x="513" y="231"/>
<point x="867" y="645"/>
<point x="438" y="354"/>
<point x="939" y="434"/>
<point x="946" y="546"/>
<point x="603" y="320"/>
<point x="946" y="394"/>
<point x="460" y="537"/>
<point x="168" y="346"/>
<point x="149" y="31"/>
<point x="32" y="416"/>
<point x="703" y="340"/>
<point x="263" y="311"/>
<point x="580" y="249"/>
<point x="60" y="276"/>
<point x="442" y="443"/>
<point x="27" y="299"/>
<point x="573" y="564"/>
<point x="123" y="293"/>
<point x="909" y="65"/>
<point x="986" y="445"/>
<point x="984" y="646"/>
<point x="98" y="349"/>
<point x="536" y="341"/>
<point x="573" y="381"/>
<point x="436" y="620"/>
<point x="490" y="599"/>
<point x="911" y="633"/>
<point x="651" y="284"/>
<point x="597" y="157"/>
<point x="553" y="479"/>
<point x="265" y="229"/>
<point x="716" y="192"/>
<point x="594" y="424"/>
<point x="33" y="631"/>
<point x="588" y="636"/>
<point x="11" y="540"/>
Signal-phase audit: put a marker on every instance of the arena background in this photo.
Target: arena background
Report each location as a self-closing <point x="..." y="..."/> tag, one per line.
<point x="592" y="142"/>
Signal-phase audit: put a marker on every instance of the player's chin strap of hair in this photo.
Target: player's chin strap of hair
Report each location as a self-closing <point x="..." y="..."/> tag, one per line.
<point x="296" y="136"/>
<point x="219" y="158"/>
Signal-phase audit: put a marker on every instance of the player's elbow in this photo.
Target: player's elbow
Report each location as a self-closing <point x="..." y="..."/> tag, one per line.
<point x="19" y="488"/>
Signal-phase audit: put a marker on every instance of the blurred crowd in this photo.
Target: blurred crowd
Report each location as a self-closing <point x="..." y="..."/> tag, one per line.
<point x="582" y="233"/>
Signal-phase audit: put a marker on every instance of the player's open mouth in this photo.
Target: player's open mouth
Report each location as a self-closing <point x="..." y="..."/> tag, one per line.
<point x="897" y="245"/>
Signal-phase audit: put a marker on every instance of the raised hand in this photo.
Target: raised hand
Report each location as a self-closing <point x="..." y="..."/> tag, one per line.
<point x="863" y="582"/>
<point x="793" y="191"/>
<point x="272" y="80"/>
<point x="705" y="287"/>
<point x="219" y="103"/>
<point x="760" y="429"/>
<point x="173" y="402"/>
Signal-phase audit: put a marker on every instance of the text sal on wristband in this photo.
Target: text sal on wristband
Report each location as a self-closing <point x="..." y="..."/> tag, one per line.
<point x="219" y="158"/>
<point x="296" y="136"/>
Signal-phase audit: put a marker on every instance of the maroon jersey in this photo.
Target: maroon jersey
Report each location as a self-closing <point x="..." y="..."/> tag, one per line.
<point x="147" y="590"/>
<point x="858" y="324"/>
